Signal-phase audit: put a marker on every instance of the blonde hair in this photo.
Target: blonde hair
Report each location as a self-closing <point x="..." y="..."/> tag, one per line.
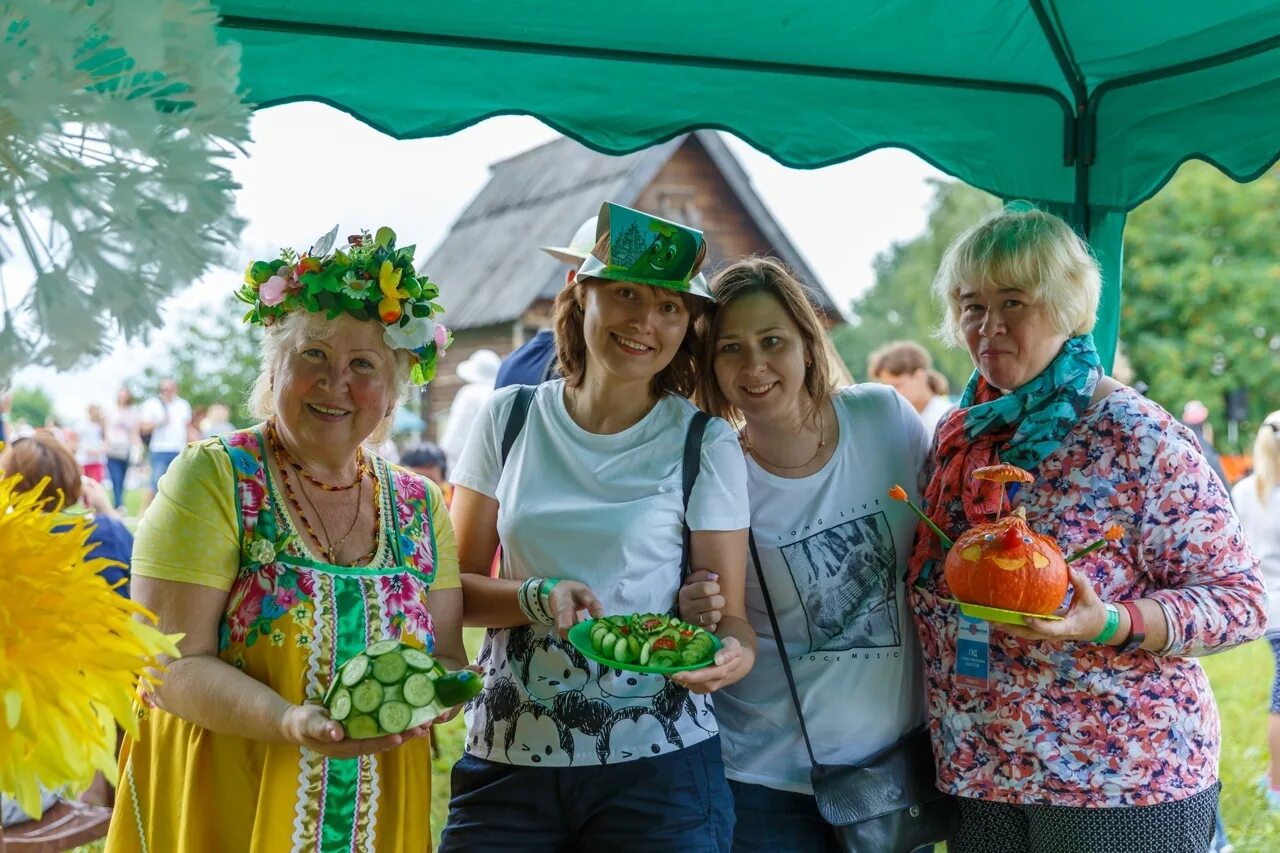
<point x="290" y="330"/>
<point x="769" y="276"/>
<point x="1027" y="250"/>
<point x="1266" y="457"/>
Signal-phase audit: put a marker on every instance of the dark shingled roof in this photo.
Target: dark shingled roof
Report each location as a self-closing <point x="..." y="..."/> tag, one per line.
<point x="489" y="262"/>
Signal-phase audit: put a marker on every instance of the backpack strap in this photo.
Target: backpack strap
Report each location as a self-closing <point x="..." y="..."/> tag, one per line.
<point x="516" y="418"/>
<point x="689" y="472"/>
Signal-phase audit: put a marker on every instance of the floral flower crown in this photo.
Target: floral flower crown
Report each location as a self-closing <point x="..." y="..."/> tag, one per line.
<point x="369" y="279"/>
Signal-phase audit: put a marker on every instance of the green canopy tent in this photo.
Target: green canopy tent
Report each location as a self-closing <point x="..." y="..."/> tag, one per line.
<point x="1086" y="107"/>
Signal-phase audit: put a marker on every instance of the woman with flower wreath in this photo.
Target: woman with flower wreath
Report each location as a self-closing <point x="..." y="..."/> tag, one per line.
<point x="279" y="552"/>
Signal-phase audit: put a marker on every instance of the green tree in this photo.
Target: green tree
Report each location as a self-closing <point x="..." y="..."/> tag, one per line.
<point x="32" y="405"/>
<point x="900" y="303"/>
<point x="214" y="358"/>
<point x="1201" y="310"/>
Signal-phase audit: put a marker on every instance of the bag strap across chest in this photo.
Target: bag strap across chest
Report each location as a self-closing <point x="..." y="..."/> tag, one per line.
<point x="690" y="465"/>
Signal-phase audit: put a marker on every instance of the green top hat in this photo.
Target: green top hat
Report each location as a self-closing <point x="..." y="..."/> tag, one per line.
<point x="647" y="250"/>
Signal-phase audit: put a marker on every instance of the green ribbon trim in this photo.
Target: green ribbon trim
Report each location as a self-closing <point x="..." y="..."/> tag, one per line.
<point x="342" y="775"/>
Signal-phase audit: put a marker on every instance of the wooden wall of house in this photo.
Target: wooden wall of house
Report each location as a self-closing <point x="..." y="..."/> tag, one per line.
<point x="438" y="395"/>
<point x="691" y="189"/>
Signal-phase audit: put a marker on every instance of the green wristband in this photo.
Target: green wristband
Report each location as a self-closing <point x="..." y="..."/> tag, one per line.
<point x="1113" y="624"/>
<point x="544" y="594"/>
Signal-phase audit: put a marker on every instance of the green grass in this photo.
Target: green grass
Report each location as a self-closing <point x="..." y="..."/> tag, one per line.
<point x="1241" y="681"/>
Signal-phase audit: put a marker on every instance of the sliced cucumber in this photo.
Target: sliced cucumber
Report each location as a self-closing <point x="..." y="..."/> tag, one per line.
<point x="692" y="654"/>
<point x="392" y="693"/>
<point x="367" y="696"/>
<point x="422" y="716"/>
<point x="340" y="706"/>
<point x="361" y="727"/>
<point x="664" y="658"/>
<point x="382" y="647"/>
<point x="418" y="659"/>
<point x="644" y="652"/>
<point x="333" y="687"/>
<point x="390" y="668"/>
<point x="419" y="690"/>
<point x="354" y="670"/>
<point x="394" y="716"/>
<point x="622" y="651"/>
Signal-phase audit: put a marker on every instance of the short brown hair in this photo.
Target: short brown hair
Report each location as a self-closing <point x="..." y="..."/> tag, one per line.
<point x="898" y="358"/>
<point x="770" y="276"/>
<point x="42" y="457"/>
<point x="679" y="377"/>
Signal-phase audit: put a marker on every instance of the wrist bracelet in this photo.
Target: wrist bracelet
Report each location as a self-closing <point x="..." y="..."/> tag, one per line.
<point x="544" y="598"/>
<point x="1113" y="624"/>
<point x="530" y="599"/>
<point x="537" y="605"/>
<point x="1137" y="627"/>
<point x="522" y="598"/>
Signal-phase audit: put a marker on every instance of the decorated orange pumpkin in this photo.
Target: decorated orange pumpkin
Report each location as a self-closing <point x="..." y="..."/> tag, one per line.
<point x="1003" y="563"/>
<point x="1007" y="565"/>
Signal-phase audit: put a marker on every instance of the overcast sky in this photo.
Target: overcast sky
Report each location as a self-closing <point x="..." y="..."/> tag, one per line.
<point x="311" y="166"/>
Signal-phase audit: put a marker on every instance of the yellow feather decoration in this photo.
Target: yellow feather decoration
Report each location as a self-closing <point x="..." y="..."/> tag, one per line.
<point x="72" y="652"/>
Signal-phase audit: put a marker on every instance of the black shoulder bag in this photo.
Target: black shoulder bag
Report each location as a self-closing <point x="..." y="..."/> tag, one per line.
<point x="890" y="802"/>
<point x="690" y="466"/>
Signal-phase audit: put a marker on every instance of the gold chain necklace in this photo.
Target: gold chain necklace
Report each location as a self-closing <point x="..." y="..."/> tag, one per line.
<point x="822" y="443"/>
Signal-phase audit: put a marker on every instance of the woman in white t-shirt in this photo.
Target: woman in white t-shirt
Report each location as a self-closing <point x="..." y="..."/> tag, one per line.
<point x="833" y="550"/>
<point x="1257" y="501"/>
<point x="562" y="753"/>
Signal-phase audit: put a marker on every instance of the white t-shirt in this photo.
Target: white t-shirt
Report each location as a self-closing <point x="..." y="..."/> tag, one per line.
<point x="933" y="413"/>
<point x="605" y="510"/>
<point x="90" y="449"/>
<point x="171" y="421"/>
<point x="1262" y="531"/>
<point x="834" y="549"/>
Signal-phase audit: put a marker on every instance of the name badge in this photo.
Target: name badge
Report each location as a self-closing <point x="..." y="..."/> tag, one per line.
<point x="973" y="652"/>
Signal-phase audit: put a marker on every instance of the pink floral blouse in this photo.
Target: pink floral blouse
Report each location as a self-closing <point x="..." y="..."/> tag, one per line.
<point x="1082" y="724"/>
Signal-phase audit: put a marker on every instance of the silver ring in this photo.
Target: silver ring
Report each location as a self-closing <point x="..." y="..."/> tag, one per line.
<point x="702" y="618"/>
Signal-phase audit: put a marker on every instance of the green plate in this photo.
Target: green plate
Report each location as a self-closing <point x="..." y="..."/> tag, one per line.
<point x="995" y="614"/>
<point x="580" y="637"/>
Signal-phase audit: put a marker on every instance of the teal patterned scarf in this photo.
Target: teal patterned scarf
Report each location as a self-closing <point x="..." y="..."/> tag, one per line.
<point x="1020" y="427"/>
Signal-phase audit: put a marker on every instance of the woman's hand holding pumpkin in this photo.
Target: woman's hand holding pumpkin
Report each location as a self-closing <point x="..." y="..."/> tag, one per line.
<point x="1083" y="621"/>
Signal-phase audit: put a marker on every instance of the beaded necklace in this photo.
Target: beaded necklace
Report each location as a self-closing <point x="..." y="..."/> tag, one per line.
<point x="273" y="439"/>
<point x="362" y="467"/>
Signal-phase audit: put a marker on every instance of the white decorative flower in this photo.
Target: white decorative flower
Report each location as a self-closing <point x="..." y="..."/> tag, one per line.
<point x="418" y="332"/>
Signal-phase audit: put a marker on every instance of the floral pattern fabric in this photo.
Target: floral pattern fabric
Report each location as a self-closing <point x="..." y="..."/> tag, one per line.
<point x="1083" y="724"/>
<point x="290" y="620"/>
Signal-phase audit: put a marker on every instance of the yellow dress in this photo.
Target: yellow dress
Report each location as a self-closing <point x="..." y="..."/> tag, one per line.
<point x="290" y="620"/>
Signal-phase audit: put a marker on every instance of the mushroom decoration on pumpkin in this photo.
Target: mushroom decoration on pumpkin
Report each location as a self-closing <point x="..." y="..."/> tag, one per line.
<point x="1004" y="563"/>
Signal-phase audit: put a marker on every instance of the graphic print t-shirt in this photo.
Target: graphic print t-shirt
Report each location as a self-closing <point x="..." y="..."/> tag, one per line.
<point x="834" y="551"/>
<point x="605" y="510"/>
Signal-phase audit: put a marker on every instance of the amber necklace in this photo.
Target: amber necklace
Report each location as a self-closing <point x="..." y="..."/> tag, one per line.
<point x="822" y="443"/>
<point x="362" y="467"/>
<point x="329" y="550"/>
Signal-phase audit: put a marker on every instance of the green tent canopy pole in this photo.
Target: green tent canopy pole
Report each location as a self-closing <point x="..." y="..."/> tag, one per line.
<point x="1104" y="232"/>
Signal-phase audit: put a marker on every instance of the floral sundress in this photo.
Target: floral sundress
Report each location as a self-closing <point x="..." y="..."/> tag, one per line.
<point x="290" y="621"/>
